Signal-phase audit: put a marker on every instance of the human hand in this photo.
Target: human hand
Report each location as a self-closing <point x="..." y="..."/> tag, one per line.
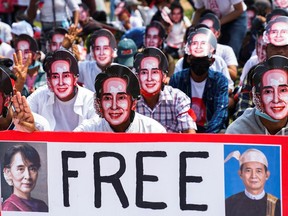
<point x="76" y="52"/>
<point x="20" y="70"/>
<point x="69" y="38"/>
<point x="22" y="116"/>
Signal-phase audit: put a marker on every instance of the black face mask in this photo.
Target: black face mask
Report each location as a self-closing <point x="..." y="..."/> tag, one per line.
<point x="200" y="65"/>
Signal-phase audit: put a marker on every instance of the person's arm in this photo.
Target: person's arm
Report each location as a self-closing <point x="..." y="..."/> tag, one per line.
<point x="238" y="10"/>
<point x="232" y="71"/>
<point x="197" y="15"/>
<point x="76" y="17"/>
<point x="22" y="117"/>
<point x="221" y="100"/>
<point x="32" y="10"/>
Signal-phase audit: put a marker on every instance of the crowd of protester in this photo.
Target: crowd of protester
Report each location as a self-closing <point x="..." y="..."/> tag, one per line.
<point x="145" y="66"/>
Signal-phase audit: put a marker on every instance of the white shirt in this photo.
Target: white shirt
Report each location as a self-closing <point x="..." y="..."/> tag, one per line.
<point x="253" y="60"/>
<point x="61" y="12"/>
<point x="88" y="70"/>
<point x="140" y="124"/>
<point x="225" y="6"/>
<point x="227" y="53"/>
<point x="42" y="100"/>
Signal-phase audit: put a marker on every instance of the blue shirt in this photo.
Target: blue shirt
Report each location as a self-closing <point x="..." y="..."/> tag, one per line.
<point x="215" y="97"/>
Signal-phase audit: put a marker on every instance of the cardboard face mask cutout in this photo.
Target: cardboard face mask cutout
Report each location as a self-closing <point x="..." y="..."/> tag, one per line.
<point x="201" y="43"/>
<point x="24" y="46"/>
<point x="274" y="93"/>
<point x="270" y="95"/>
<point x="102" y="51"/>
<point x="281" y="3"/>
<point x="277" y="31"/>
<point x="115" y="102"/>
<point x="152" y="38"/>
<point x="62" y="81"/>
<point x="150" y="76"/>
<point x="56" y="42"/>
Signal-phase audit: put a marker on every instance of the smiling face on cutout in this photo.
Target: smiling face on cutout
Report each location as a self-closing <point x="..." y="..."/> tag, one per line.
<point x="116" y="104"/>
<point x="62" y="81"/>
<point x="200" y="46"/>
<point x="56" y="42"/>
<point x="152" y="38"/>
<point x="150" y="75"/>
<point x="24" y="46"/>
<point x="274" y="93"/>
<point x="102" y="51"/>
<point x="278" y="34"/>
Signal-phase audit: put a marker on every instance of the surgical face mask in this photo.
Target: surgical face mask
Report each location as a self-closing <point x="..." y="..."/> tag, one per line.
<point x="200" y="65"/>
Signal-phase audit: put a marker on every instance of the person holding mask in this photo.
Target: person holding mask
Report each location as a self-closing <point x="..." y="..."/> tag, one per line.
<point x="117" y="92"/>
<point x="270" y="97"/>
<point x="36" y="76"/>
<point x="103" y="48"/>
<point x="21" y="167"/>
<point x="207" y="89"/>
<point x="233" y="19"/>
<point x="167" y="105"/>
<point x="62" y="102"/>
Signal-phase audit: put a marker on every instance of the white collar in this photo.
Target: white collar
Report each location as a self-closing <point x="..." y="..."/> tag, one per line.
<point x="255" y="197"/>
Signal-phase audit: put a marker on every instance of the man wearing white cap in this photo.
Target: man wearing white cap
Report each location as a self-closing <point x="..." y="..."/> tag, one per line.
<point x="254" y="174"/>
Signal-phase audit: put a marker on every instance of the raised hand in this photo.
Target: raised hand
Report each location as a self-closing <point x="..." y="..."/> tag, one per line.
<point x="22" y="116"/>
<point x="20" y="70"/>
<point x="69" y="38"/>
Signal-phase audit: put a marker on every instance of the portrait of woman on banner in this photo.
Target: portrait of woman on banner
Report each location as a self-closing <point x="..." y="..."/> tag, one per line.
<point x="21" y="166"/>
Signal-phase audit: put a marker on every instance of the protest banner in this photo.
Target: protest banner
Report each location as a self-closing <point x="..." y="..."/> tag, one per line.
<point x="141" y="174"/>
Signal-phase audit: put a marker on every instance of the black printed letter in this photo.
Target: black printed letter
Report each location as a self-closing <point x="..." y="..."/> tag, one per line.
<point x="184" y="179"/>
<point x="141" y="177"/>
<point x="113" y="179"/>
<point x="68" y="173"/>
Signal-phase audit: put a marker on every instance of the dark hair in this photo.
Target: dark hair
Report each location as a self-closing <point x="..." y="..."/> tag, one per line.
<point x="276" y="11"/>
<point x="105" y="33"/>
<point x="213" y="18"/>
<point x="278" y="19"/>
<point x="84" y="6"/>
<point x="151" y="52"/>
<point x="59" y="30"/>
<point x="32" y="42"/>
<point x="120" y="71"/>
<point x="28" y="153"/>
<point x="60" y="55"/>
<point x="274" y="62"/>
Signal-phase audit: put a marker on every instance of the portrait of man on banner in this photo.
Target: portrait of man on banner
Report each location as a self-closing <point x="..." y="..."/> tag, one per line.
<point x="24" y="179"/>
<point x="252" y="180"/>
